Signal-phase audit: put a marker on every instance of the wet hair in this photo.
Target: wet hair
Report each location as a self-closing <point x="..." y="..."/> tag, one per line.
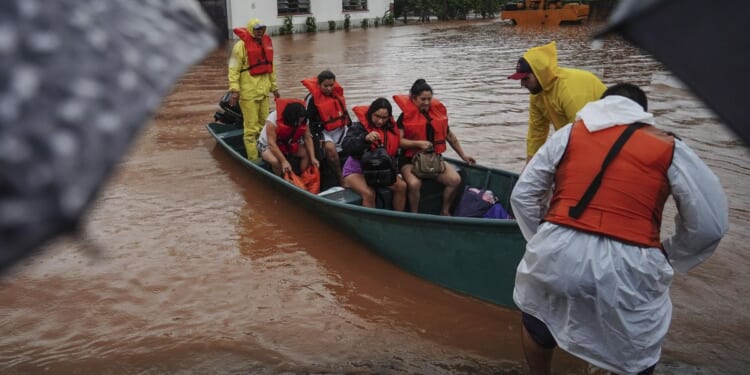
<point x="292" y="113"/>
<point x="629" y="91"/>
<point x="377" y="105"/>
<point x="419" y="87"/>
<point x="324" y="75"/>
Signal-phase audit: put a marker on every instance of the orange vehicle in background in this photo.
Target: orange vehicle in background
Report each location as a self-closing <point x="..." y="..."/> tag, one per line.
<point x="545" y="12"/>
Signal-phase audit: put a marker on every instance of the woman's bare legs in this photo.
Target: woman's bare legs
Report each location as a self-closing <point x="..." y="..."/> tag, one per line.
<point x="356" y="182"/>
<point x="413" y="185"/>
<point x="451" y="180"/>
<point x="399" y="194"/>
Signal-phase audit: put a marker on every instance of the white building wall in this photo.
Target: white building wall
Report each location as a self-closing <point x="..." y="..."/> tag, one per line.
<point x="241" y="11"/>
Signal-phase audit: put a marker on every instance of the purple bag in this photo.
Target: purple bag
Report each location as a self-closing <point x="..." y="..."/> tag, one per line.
<point x="497" y="211"/>
<point x="472" y="204"/>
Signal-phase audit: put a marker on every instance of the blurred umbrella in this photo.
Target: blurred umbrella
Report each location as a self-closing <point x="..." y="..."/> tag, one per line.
<point x="704" y="43"/>
<point x="78" y="78"/>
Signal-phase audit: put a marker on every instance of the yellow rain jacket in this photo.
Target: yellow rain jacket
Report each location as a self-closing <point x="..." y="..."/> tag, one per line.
<point x="564" y="92"/>
<point x="250" y="87"/>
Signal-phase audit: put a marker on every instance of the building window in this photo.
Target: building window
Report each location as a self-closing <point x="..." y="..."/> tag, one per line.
<point x="349" y="5"/>
<point x="293" y="6"/>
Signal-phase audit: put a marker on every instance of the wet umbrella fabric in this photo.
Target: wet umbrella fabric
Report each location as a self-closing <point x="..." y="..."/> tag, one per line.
<point x="704" y="43"/>
<point x="77" y="81"/>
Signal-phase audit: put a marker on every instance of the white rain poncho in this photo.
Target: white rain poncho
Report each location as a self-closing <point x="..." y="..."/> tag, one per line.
<point x="605" y="301"/>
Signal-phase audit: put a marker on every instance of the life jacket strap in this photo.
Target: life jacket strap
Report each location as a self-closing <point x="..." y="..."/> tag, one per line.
<point x="577" y="211"/>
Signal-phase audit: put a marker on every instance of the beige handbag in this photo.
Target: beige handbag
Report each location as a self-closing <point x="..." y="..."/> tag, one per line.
<point x="427" y="164"/>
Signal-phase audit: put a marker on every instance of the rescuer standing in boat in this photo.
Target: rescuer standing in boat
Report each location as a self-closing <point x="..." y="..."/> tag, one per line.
<point x="251" y="79"/>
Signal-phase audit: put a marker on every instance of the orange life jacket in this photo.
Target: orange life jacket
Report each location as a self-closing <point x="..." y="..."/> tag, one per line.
<point x="389" y="134"/>
<point x="629" y="203"/>
<point x="415" y="122"/>
<point x="287" y="137"/>
<point x="332" y="109"/>
<point x="259" y="55"/>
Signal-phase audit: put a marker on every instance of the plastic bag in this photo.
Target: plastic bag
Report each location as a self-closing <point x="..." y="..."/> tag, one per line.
<point x="294" y="180"/>
<point x="311" y="179"/>
<point x="497" y="211"/>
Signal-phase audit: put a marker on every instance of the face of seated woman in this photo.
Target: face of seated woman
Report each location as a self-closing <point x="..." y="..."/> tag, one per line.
<point x="422" y="101"/>
<point x="380" y="118"/>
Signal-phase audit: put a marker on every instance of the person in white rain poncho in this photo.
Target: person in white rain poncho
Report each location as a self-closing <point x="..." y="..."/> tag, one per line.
<point x="595" y="276"/>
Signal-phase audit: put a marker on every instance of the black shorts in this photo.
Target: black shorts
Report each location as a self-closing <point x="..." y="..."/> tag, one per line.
<point x="402" y="161"/>
<point x="538" y="331"/>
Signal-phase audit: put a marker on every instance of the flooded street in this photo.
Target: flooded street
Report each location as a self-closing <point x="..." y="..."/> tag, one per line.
<point x="188" y="263"/>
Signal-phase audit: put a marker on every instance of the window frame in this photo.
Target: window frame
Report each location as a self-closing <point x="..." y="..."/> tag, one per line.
<point x="296" y="11"/>
<point x="361" y="8"/>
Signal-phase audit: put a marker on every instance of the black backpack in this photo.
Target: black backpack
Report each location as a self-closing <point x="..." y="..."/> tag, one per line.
<point x="378" y="167"/>
<point x="354" y="143"/>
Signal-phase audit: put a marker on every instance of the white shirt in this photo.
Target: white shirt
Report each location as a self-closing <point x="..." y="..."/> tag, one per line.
<point x="605" y="301"/>
<point x="263" y="138"/>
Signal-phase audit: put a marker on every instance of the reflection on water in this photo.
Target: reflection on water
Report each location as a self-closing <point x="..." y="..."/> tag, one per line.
<point x="203" y="268"/>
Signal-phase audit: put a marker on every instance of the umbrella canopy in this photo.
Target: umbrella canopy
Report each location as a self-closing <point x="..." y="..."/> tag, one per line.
<point x="704" y="43"/>
<point x="78" y="78"/>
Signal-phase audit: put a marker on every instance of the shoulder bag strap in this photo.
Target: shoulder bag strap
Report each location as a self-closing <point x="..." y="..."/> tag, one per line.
<point x="577" y="211"/>
<point x="429" y="130"/>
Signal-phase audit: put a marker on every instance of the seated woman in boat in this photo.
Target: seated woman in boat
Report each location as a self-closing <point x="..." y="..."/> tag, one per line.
<point x="378" y="129"/>
<point x="326" y="110"/>
<point x="287" y="136"/>
<point x="424" y="126"/>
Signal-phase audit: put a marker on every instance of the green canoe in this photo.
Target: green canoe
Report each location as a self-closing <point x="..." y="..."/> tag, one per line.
<point x="474" y="256"/>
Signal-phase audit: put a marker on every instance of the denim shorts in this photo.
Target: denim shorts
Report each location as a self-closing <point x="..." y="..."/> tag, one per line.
<point x="261" y="147"/>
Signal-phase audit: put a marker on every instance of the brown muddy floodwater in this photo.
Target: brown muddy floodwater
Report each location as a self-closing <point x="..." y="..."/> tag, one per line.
<point x="189" y="264"/>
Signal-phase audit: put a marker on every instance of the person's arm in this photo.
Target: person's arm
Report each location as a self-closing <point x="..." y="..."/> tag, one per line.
<point x="274" y="147"/>
<point x="453" y="141"/>
<point x="703" y="216"/>
<point x="538" y="126"/>
<point x="530" y="196"/>
<point x="408" y="143"/>
<point x="236" y="61"/>
<point x="310" y="147"/>
<point x="405" y="143"/>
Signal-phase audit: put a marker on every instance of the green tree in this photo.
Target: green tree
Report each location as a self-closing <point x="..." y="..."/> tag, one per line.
<point x="399" y="9"/>
<point x="311" y="25"/>
<point x="488" y="8"/>
<point x="425" y="8"/>
<point x="446" y="9"/>
<point x="420" y="8"/>
<point x="288" y="27"/>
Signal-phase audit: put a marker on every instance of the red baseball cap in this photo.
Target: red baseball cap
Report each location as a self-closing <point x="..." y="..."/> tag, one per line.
<point x="523" y="69"/>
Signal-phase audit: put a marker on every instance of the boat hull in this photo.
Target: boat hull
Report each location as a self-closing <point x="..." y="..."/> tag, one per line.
<point x="474" y="256"/>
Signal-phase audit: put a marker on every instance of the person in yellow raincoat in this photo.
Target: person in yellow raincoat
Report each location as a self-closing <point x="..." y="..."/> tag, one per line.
<point x="557" y="94"/>
<point x="251" y="78"/>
